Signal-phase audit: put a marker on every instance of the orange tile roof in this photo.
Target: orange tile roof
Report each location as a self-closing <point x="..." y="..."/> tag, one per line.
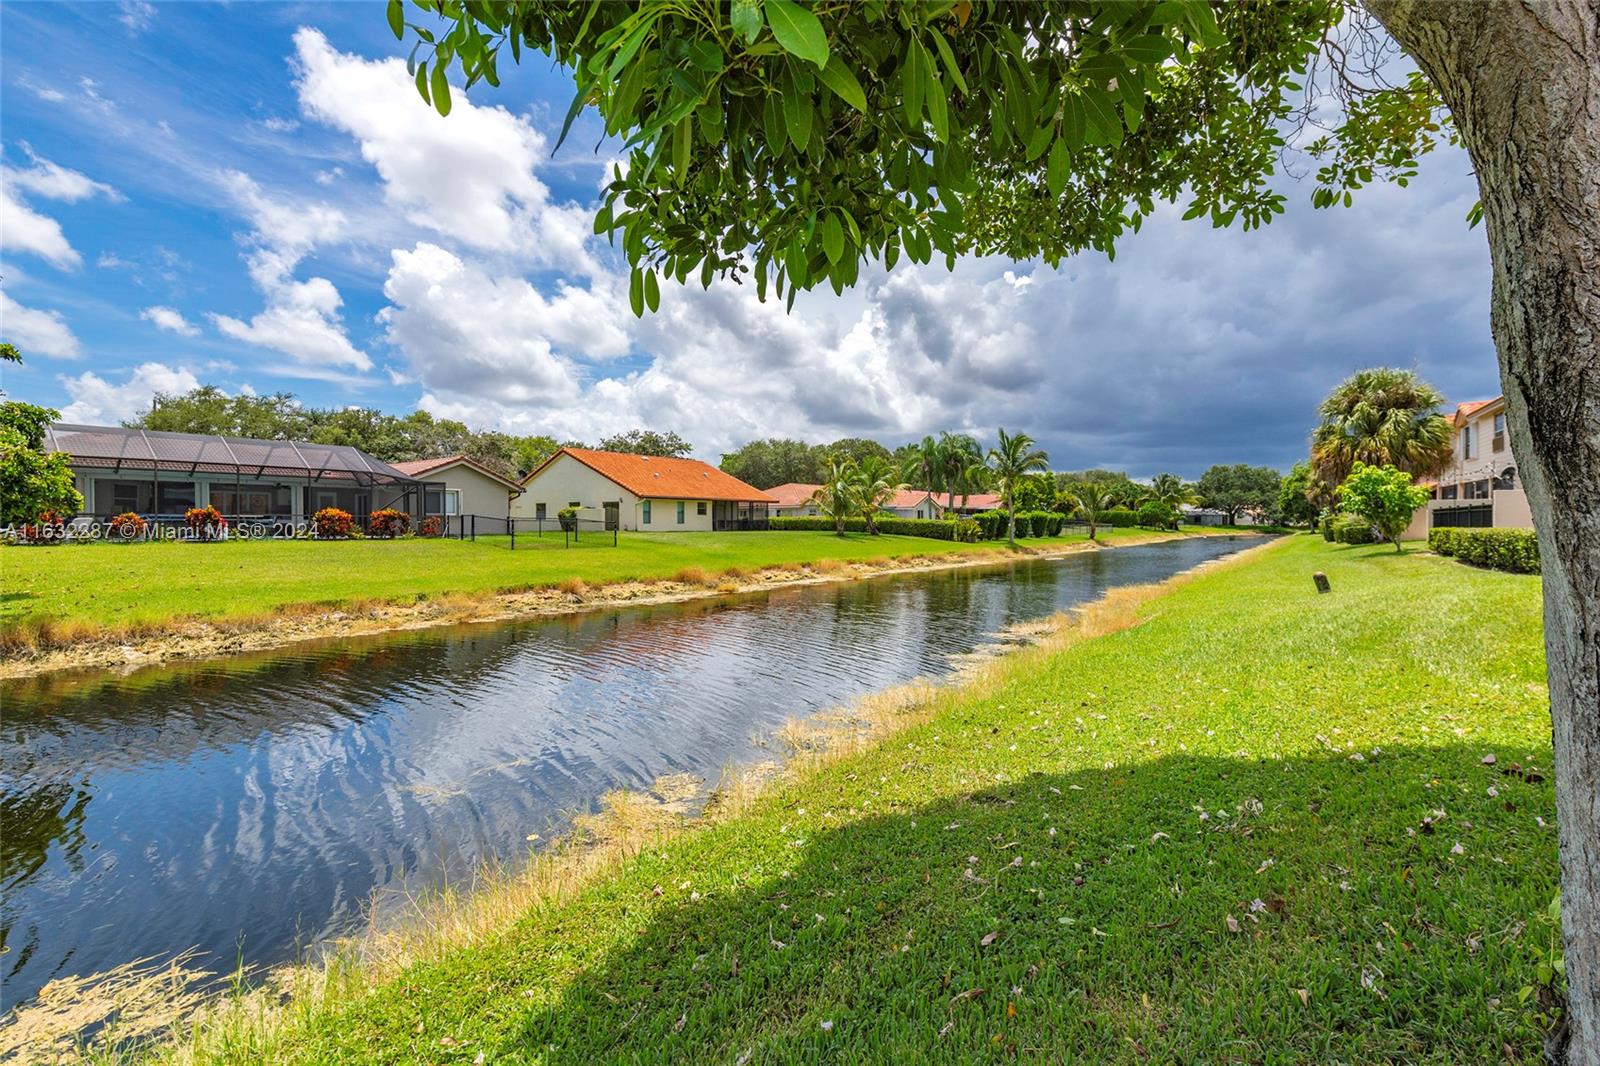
<point x="908" y="498"/>
<point x="653" y="477"/>
<point x="419" y="467"/>
<point x="978" y="501"/>
<point x="792" y="493"/>
<point x="1467" y="410"/>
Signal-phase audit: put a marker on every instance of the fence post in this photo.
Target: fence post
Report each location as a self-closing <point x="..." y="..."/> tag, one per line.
<point x="474" y="529"/>
<point x="512" y="523"/>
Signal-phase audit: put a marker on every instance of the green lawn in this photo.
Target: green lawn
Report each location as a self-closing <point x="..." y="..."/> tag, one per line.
<point x="120" y="584"/>
<point x="1255" y="827"/>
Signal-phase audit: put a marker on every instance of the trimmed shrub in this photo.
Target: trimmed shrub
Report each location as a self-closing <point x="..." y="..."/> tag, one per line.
<point x="127" y="526"/>
<point x="1154" y="514"/>
<point x="932" y="528"/>
<point x="1053" y="521"/>
<point x="1353" y="529"/>
<point x="1326" y="525"/>
<point x="992" y="524"/>
<point x="333" y="524"/>
<point x="204" y="521"/>
<point x="432" y="526"/>
<point x="1119" y="517"/>
<point x="388" y="523"/>
<point x="568" y="518"/>
<point x="1512" y="550"/>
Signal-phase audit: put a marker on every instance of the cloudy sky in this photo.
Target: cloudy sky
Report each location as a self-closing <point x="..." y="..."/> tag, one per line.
<point x="254" y="196"/>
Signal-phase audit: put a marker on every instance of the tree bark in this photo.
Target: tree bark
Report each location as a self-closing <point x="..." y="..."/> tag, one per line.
<point x="1522" y="80"/>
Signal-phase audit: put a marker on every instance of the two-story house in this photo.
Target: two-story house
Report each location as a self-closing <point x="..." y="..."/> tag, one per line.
<point x="1480" y="487"/>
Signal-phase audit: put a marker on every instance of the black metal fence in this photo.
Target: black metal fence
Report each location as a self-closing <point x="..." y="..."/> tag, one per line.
<point x="571" y="531"/>
<point x="1467" y="516"/>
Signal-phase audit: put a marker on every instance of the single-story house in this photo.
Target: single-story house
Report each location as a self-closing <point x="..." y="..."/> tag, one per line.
<point x="460" y="485"/>
<point x="1480" y="487"/>
<point x="617" y="490"/>
<point x="976" y="503"/>
<point x="794" y="500"/>
<point x="161" y="475"/>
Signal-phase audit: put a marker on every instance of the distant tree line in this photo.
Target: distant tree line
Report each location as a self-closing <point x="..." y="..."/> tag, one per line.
<point x="390" y="438"/>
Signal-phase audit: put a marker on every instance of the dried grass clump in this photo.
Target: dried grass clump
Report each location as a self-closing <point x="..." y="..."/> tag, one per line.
<point x="572" y="586"/>
<point x="829" y="566"/>
<point x="692" y="575"/>
<point x="736" y="572"/>
<point x="134" y="1001"/>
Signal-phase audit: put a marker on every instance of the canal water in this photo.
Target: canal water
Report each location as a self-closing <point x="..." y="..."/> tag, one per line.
<point x="250" y="806"/>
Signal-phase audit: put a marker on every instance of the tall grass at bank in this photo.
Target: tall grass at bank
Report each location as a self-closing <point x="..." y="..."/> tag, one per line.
<point x="1244" y="823"/>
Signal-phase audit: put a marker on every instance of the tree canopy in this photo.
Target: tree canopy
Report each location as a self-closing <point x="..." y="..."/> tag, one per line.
<point x="648" y="442"/>
<point x="1239" y="488"/>
<point x="1382" y="416"/>
<point x="791" y="143"/>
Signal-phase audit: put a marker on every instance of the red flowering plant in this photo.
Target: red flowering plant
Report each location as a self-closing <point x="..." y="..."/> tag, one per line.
<point x="388" y="522"/>
<point x="48" y="527"/>
<point x="332" y="523"/>
<point x="204" y="522"/>
<point x="430" y="527"/>
<point x="127" y="526"/>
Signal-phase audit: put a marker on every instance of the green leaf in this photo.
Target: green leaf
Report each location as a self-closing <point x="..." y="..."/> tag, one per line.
<point x="949" y="61"/>
<point x="636" y="292"/>
<point x="1074" y="121"/>
<point x="745" y="18"/>
<point x="838" y="77"/>
<point x="832" y="238"/>
<point x="397" y="19"/>
<point x="441" y="89"/>
<point x="1039" y="142"/>
<point x="1058" y="167"/>
<point x="772" y="123"/>
<point x="682" y="142"/>
<point x="566" y="126"/>
<point x="422" y="82"/>
<point x="797" y="117"/>
<point x="1150" y="49"/>
<point x="938" y="109"/>
<point x="912" y="84"/>
<point x="798" y="31"/>
<point x="652" y="291"/>
<point x="1105" y="126"/>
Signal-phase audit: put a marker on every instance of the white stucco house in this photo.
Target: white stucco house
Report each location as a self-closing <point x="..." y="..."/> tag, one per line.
<point x="640" y="493"/>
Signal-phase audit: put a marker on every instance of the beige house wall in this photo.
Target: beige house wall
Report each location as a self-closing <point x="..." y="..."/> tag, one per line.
<point x="477" y="492"/>
<point x="565" y="481"/>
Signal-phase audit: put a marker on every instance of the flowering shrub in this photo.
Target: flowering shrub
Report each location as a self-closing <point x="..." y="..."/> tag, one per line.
<point x="48" y="527"/>
<point x="430" y="527"/>
<point x="388" y="523"/>
<point x="204" y="521"/>
<point x="332" y="523"/>
<point x="127" y="526"/>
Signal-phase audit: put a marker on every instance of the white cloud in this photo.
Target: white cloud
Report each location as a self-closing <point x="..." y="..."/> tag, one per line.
<point x="169" y="319"/>
<point x="96" y="401"/>
<point x="470" y="177"/>
<point x="136" y="15"/>
<point x="22" y="229"/>
<point x="275" y="124"/>
<point x="37" y="332"/>
<point x="301" y="318"/>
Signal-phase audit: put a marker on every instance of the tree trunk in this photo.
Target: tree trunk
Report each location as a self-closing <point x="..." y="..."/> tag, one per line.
<point x="1522" y="80"/>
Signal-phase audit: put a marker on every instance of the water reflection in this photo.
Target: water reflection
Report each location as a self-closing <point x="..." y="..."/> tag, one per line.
<point x="251" y="805"/>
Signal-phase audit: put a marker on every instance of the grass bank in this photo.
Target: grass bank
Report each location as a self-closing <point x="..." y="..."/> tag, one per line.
<point x="1235" y="821"/>
<point x="114" y="604"/>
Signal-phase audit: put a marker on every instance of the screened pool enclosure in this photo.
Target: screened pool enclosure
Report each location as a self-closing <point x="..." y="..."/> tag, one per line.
<point x="275" y="483"/>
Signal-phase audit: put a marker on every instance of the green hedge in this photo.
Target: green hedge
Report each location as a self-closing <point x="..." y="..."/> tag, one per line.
<point x="1353" y="529"/>
<point x="992" y="524"/>
<point x="1155" y="514"/>
<point x="1513" y="550"/>
<point x="1046" y="523"/>
<point x="964" y="530"/>
<point x="1119" y="517"/>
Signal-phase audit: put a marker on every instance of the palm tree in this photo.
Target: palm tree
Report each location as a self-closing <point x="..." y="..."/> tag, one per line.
<point x="1092" y="500"/>
<point x="1170" y="490"/>
<point x="1012" y="459"/>
<point x="839" y="495"/>
<point x="1382" y="417"/>
<point x="877" y="481"/>
<point x="958" y="455"/>
<point x="924" y="467"/>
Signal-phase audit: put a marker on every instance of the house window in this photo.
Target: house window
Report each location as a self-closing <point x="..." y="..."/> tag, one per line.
<point x="681" y="507"/>
<point x="646" y="513"/>
<point x="174" y="497"/>
<point x="1447" y="492"/>
<point x="443" y="502"/>
<point x="1467" y="451"/>
<point x="919" y="512"/>
<point x="1499" y="433"/>
<point x="700" y="508"/>
<point x="539" y="511"/>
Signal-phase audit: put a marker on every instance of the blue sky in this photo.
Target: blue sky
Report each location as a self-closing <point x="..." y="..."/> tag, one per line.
<point x="251" y="196"/>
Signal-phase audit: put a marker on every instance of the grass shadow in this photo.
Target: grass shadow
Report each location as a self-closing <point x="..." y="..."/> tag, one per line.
<point x="1339" y="907"/>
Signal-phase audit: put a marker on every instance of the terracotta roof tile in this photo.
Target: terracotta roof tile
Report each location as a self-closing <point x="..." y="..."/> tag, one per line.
<point x="418" y="467"/>
<point x="1467" y="410"/>
<point x="792" y="493"/>
<point x="654" y="477"/>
